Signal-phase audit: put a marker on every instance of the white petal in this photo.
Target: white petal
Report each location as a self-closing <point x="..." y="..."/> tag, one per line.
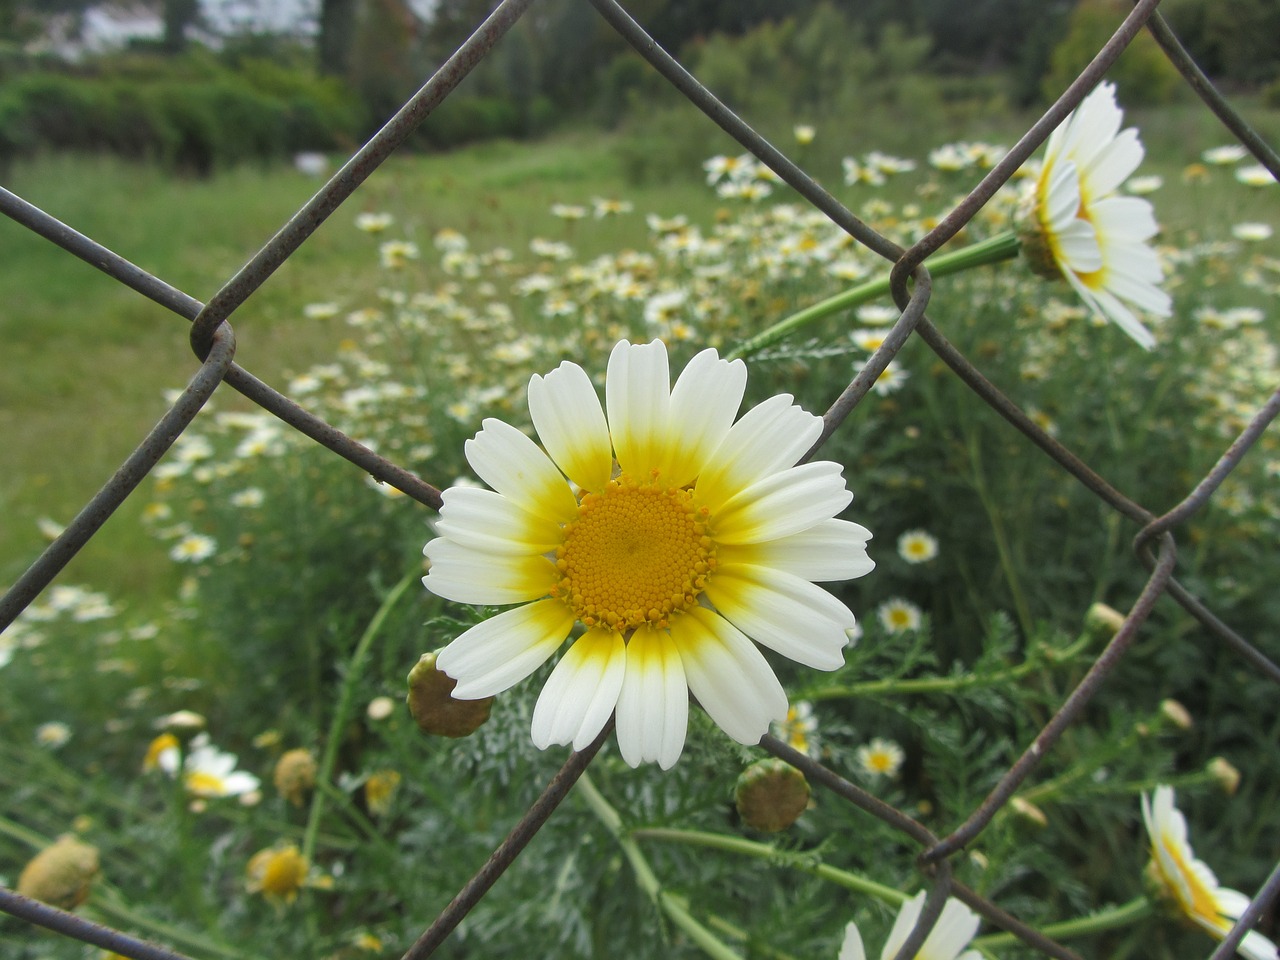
<point x="637" y="394"/>
<point x="783" y="503"/>
<point x="783" y="612"/>
<point x="903" y="924"/>
<point x="653" y="707"/>
<point x="830" y="550"/>
<point x="488" y="521"/>
<point x="1076" y="246"/>
<point x="704" y="402"/>
<point x="1112" y="166"/>
<point x="1255" y="946"/>
<point x="503" y="650"/>
<point x="582" y="691"/>
<point x="1128" y="218"/>
<point x="465" y="575"/>
<point x="570" y="422"/>
<point x="1106" y="305"/>
<point x="728" y="675"/>
<point x="955" y="928"/>
<point x="770" y="437"/>
<point x="512" y="464"/>
<point x="852" y="948"/>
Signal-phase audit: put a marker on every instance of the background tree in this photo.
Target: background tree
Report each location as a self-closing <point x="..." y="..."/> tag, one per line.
<point x="178" y="16"/>
<point x="337" y="36"/>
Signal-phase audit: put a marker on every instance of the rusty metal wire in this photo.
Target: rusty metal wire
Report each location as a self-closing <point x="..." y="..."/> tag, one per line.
<point x="1154" y="545"/>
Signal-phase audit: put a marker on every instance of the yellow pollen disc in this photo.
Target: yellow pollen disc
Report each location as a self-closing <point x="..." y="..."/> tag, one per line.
<point x="636" y="553"/>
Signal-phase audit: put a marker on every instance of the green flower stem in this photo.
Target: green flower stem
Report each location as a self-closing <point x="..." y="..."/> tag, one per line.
<point x="1121" y="916"/>
<point x="343" y="710"/>
<point x="674" y="907"/>
<point x="881" y="688"/>
<point x="764" y="851"/>
<point x="23" y="835"/>
<point x="995" y="516"/>
<point x="995" y="249"/>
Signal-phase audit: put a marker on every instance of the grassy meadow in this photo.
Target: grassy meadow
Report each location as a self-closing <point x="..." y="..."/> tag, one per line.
<point x="271" y="589"/>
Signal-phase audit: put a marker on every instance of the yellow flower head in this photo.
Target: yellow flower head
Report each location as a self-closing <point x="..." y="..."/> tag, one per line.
<point x="278" y="873"/>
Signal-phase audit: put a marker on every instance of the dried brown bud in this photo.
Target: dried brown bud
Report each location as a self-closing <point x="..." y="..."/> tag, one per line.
<point x="434" y="708"/>
<point x="771" y="795"/>
<point x="61" y="873"/>
<point x="1225" y="772"/>
<point x="295" y="775"/>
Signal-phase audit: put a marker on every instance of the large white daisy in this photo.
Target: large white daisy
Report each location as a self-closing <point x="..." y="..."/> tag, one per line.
<point x="1188" y="884"/>
<point x="951" y="934"/>
<point x="1084" y="230"/>
<point x="673" y="535"/>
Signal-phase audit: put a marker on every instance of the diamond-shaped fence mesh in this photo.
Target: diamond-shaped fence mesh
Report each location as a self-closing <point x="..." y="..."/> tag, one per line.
<point x="1155" y="546"/>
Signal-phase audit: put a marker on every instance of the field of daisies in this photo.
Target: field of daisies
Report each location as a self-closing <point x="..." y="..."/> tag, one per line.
<point x="311" y="743"/>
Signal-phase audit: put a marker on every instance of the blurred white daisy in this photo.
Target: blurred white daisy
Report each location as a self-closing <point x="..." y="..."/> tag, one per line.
<point x="193" y="548"/>
<point x="208" y="772"/>
<point x="1222" y="156"/>
<point x="1251" y="231"/>
<point x="917" y="546"/>
<point x="1255" y="176"/>
<point x="897" y="615"/>
<point x="1187" y="884"/>
<point x="880" y="758"/>
<point x="949" y="936"/>
<point x="1082" y="230"/>
<point x="678" y="537"/>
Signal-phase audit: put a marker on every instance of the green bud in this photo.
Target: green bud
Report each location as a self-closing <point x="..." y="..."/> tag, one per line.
<point x="433" y="707"/>
<point x="771" y="795"/>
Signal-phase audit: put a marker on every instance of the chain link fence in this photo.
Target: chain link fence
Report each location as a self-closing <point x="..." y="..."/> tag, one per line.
<point x="1155" y="546"/>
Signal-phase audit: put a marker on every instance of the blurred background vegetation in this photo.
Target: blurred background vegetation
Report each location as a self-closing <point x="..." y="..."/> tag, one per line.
<point x="324" y="74"/>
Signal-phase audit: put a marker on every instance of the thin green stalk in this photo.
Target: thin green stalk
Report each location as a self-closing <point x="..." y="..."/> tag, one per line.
<point x="674" y="907"/>
<point x="1121" y="916"/>
<point x="763" y="851"/>
<point x="996" y="519"/>
<point x="995" y="249"/>
<point x="340" y="714"/>
<point x="891" y="687"/>
<point x="118" y="914"/>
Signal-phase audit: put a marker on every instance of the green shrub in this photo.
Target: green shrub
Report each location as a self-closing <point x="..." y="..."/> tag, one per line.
<point x="1143" y="72"/>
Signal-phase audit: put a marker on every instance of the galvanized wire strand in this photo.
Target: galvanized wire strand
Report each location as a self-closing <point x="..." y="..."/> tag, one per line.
<point x="1068" y="712"/>
<point x="125" y="480"/>
<point x="78" y="928"/>
<point x="1222" y="109"/>
<point x="736" y="127"/>
<point x="1261" y="902"/>
<point x="354" y="172"/>
<point x="510" y="848"/>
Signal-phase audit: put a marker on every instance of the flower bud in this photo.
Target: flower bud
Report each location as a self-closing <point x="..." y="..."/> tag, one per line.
<point x="1225" y="772"/>
<point x="1176" y="714"/>
<point x="771" y="795"/>
<point x="434" y="710"/>
<point x="61" y="873"/>
<point x="295" y="775"/>
<point x="1028" y="811"/>
<point x="278" y="873"/>
<point x="182" y="723"/>
<point x="1103" y="621"/>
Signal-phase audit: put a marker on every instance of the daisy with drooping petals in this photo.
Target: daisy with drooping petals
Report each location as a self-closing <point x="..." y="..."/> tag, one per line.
<point x="674" y="535"/>
<point x="1081" y="229"/>
<point x="1187" y="884"/>
<point x="951" y="934"/>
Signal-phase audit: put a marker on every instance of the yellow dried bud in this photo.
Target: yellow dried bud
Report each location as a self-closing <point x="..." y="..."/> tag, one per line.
<point x="771" y="795"/>
<point x="277" y="873"/>
<point x="379" y="790"/>
<point x="1028" y="811"/>
<point x="433" y="707"/>
<point x="61" y="873"/>
<point x="1225" y="772"/>
<point x="295" y="775"/>
<point x="1176" y="714"/>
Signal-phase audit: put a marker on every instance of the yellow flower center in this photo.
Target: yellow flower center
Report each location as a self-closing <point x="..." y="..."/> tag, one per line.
<point x="636" y="553"/>
<point x="204" y="784"/>
<point x="1203" y="904"/>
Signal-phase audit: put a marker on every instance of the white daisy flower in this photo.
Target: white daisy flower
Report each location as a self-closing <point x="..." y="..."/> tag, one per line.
<point x="897" y="615"/>
<point x="208" y="772"/>
<point x="950" y="935"/>
<point x="1222" y="156"/>
<point x="880" y="758"/>
<point x="1251" y="231"/>
<point x="917" y="546"/>
<point x="1083" y="231"/>
<point x="193" y="548"/>
<point x="1188" y="884"/>
<point x="674" y="535"/>
<point x="1255" y="176"/>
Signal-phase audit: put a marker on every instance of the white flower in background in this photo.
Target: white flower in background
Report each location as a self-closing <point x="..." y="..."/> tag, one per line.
<point x="800" y="727"/>
<point x="877" y="314"/>
<point x="1251" y="231"/>
<point x="897" y="615"/>
<point x="949" y="936"/>
<point x="1223" y="156"/>
<point x="804" y="133"/>
<point x="568" y="211"/>
<point x="1187" y="884"/>
<point x="674" y="535"/>
<point x="880" y="758"/>
<point x="603" y="207"/>
<point x="1145" y="185"/>
<point x="53" y="734"/>
<point x="373" y="222"/>
<point x="249" y="497"/>
<point x="208" y="772"/>
<point x="1255" y="176"/>
<point x="917" y="546"/>
<point x="394" y="254"/>
<point x="193" y="548"/>
<point x="1081" y="229"/>
<point x="855" y="172"/>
